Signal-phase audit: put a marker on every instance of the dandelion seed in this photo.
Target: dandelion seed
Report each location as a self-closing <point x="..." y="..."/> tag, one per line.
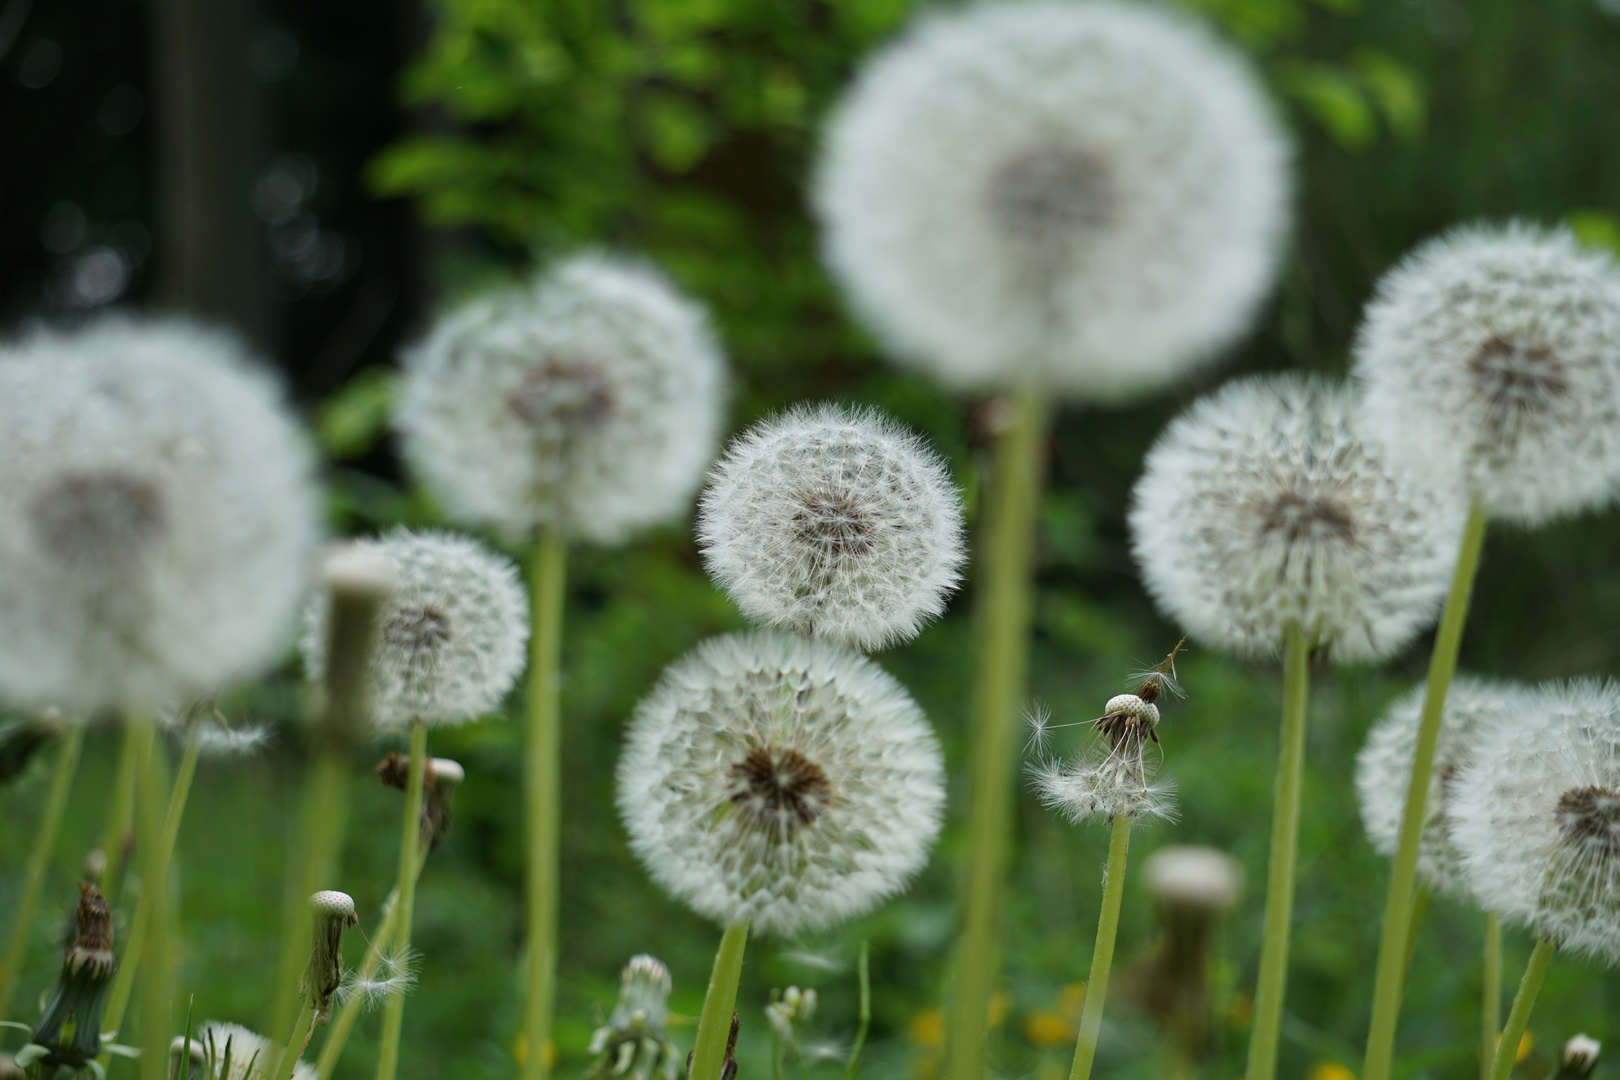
<point x="1085" y="196"/>
<point x="814" y="960"/>
<point x="781" y="780"/>
<point x="395" y="973"/>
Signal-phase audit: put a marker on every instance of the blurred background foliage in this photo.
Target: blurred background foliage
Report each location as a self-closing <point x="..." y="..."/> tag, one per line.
<point x="356" y="166"/>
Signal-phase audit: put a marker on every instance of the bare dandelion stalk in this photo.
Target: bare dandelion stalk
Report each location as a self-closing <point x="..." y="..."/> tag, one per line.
<point x="121" y="810"/>
<point x="1507" y="1048"/>
<point x="719" y="1003"/>
<point x="150" y="836"/>
<point x="410" y="836"/>
<point x="1491" y="994"/>
<point x="1102" y="956"/>
<point x="865" y="1018"/>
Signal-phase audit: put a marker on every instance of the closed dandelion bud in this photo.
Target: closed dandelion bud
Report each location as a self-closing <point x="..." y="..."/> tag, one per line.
<point x="1535" y="816"/>
<point x="587" y="401"/>
<point x="450" y="636"/>
<point x="1087" y="197"/>
<point x="1473" y="708"/>
<point x="81" y="989"/>
<point x="834" y="523"/>
<point x="159" y="518"/>
<point x="231" y="1052"/>
<point x="1490" y="358"/>
<point x="1579" y="1058"/>
<point x="632" y="1043"/>
<point x="784" y="781"/>
<point x="332" y="912"/>
<point x="1262" y="506"/>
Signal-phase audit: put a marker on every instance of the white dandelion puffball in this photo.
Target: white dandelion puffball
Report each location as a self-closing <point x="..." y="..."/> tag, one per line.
<point x="835" y="523"/>
<point x="785" y="781"/>
<point x="1473" y="708"/>
<point x="1085" y="196"/>
<point x="450" y="635"/>
<point x="1495" y="351"/>
<point x="587" y="401"/>
<point x="159" y="516"/>
<point x="1536" y="818"/>
<point x="1192" y="877"/>
<point x="232" y="1052"/>
<point x="1114" y="774"/>
<point x="1261" y="506"/>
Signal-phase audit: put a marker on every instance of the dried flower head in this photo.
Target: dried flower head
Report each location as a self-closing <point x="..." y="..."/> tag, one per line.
<point x="587" y="401"/>
<point x="633" y="1043"/>
<point x="332" y="912"/>
<point x="159" y="516"/>
<point x="1496" y="351"/>
<point x="68" y="1034"/>
<point x="1261" y="506"/>
<point x="836" y="523"/>
<point x="440" y="778"/>
<point x="1473" y="708"/>
<point x="1535" y="815"/>
<point x="1086" y="196"/>
<point x="1189" y="877"/>
<point x="232" y="1052"/>
<point x="781" y="780"/>
<point x="450" y="636"/>
<point x="1113" y="774"/>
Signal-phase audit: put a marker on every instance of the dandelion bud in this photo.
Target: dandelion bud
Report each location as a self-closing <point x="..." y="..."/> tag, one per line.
<point x="81" y="990"/>
<point x="333" y="912"/>
<point x="632" y="1044"/>
<point x="1261" y="506"/>
<point x="834" y="523"/>
<point x="587" y="401"/>
<point x="780" y="780"/>
<point x="789" y="1011"/>
<point x="1579" y="1058"/>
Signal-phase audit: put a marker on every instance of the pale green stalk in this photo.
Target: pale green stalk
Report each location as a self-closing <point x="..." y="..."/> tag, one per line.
<point x="50" y="824"/>
<point x="1507" y="1048"/>
<point x="542" y="779"/>
<point x="1388" y="979"/>
<point x="865" y="1018"/>
<point x="1012" y="498"/>
<point x="1102" y="956"/>
<point x="135" y="744"/>
<point x="714" y="1025"/>
<point x="303" y="1027"/>
<point x="1271" y="987"/>
<point x="1491" y="997"/>
<point x="154" y="842"/>
<point x="410" y="836"/>
<point x="1420" y="908"/>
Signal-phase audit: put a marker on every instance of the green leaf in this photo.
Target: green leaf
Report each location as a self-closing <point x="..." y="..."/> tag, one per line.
<point x="1595" y="228"/>
<point x="1334" y="98"/>
<point x="351" y="420"/>
<point x="1395" y="88"/>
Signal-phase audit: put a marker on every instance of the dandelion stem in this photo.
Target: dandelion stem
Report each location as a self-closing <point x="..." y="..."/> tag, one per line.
<point x="719" y="1003"/>
<point x="865" y="1018"/>
<point x="410" y="835"/>
<point x="1102" y="957"/>
<point x="1397" y="908"/>
<point x="1491" y="996"/>
<point x="155" y="832"/>
<point x="50" y="824"/>
<point x="1272" y="983"/>
<point x="1420" y="908"/>
<point x="121" y="810"/>
<point x="1507" y="1048"/>
<point x="1003" y="645"/>
<point x="303" y="1027"/>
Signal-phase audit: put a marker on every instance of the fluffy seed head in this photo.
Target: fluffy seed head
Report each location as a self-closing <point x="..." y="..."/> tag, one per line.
<point x="1261" y="505"/>
<point x="232" y="1052"/>
<point x="1085" y="196"/>
<point x="450" y="637"/>
<point x="1113" y="774"/>
<point x="1193" y="877"/>
<point x="157" y="516"/>
<point x="1535" y="815"/>
<point x="1474" y="707"/>
<point x="588" y="401"/>
<point x="1495" y="352"/>
<point x="781" y="780"/>
<point x="835" y="523"/>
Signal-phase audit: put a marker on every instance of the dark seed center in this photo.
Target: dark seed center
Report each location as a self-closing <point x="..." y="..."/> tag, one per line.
<point x="1052" y="193"/>
<point x="1517" y="375"/>
<point x="835" y="525"/>
<point x="1590" y="818"/>
<point x="1298" y="518"/>
<point x="103" y="517"/>
<point x="780" y="789"/>
<point x="559" y="400"/>
<point x="418" y="630"/>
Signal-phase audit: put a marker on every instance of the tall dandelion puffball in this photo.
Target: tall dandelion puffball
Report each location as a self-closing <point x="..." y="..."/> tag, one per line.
<point x="158" y="519"/>
<point x="1496" y="352"/>
<point x="1473" y="709"/>
<point x="781" y="780"/>
<point x="1536" y="818"/>
<point x="232" y="1052"/>
<point x="1085" y="196"/>
<point x="1261" y="506"/>
<point x="450" y="635"/>
<point x="834" y="523"/>
<point x="587" y="401"/>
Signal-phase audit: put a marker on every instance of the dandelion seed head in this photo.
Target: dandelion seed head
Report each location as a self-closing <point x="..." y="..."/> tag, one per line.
<point x="587" y="400"/>
<point x="786" y="781"/>
<point x="233" y="1052"/>
<point x="1262" y="506"/>
<point x="1087" y="196"/>
<point x="1102" y="785"/>
<point x="1132" y="706"/>
<point x="160" y="517"/>
<point x="1490" y="357"/>
<point x="1187" y="876"/>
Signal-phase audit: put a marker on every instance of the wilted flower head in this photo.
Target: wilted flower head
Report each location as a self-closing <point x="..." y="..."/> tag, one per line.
<point x="633" y="1043"/>
<point x="440" y="778"/>
<point x="68" y="1033"/>
<point x="587" y="401"/>
<point x="1190" y="877"/>
<point x="781" y="780"/>
<point x="1473" y="708"/>
<point x="1535" y="815"/>
<point x="1496" y="351"/>
<point x="1261" y="506"/>
<point x="332" y="912"/>
<point x="232" y="1052"/>
<point x="1113" y="774"/>
<point x="450" y="637"/>
<point x="835" y="523"/>
<point x="157" y="516"/>
<point x="1084" y="196"/>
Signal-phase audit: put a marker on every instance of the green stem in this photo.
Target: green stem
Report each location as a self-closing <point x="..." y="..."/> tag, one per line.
<point x="154" y="842"/>
<point x="1271" y="986"/>
<point x="410" y="834"/>
<point x="1387" y="981"/>
<point x="1491" y="998"/>
<point x="1102" y="957"/>
<point x="1507" y="1048"/>
<point x="865" y="1019"/>
<point x="1003" y="645"/>
<point x="1420" y="908"/>
<point x="714" y="1025"/>
<point x="50" y="824"/>
<point x="542" y="778"/>
<point x="136" y="744"/>
<point x="303" y="1026"/>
